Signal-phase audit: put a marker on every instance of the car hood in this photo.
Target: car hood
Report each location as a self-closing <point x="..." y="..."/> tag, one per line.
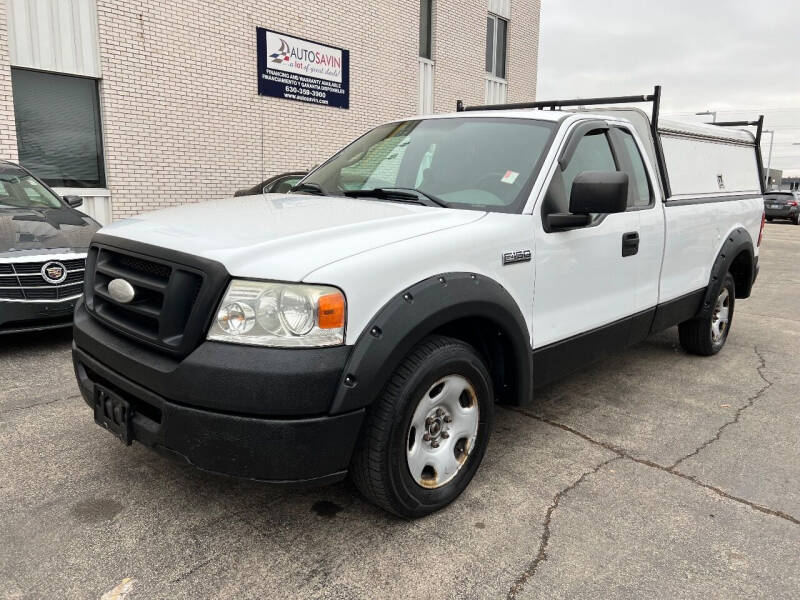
<point x="285" y="237"/>
<point x="44" y="229"/>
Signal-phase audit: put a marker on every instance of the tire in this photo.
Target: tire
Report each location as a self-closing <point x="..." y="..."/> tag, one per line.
<point x="430" y="376"/>
<point x="706" y="336"/>
<point x="797" y="219"/>
<point x="769" y="219"/>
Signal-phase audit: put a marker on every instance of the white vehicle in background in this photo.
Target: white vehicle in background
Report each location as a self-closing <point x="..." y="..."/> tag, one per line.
<point x="368" y="321"/>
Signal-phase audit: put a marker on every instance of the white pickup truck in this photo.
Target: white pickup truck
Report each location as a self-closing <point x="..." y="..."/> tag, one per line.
<point x="368" y="322"/>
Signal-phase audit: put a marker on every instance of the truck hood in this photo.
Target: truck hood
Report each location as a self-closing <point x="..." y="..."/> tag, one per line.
<point x="285" y="237"/>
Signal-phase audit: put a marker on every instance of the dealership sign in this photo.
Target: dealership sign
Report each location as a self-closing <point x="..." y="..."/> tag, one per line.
<point x="297" y="69"/>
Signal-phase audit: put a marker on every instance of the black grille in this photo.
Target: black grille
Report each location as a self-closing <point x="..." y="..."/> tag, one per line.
<point x="145" y="266"/>
<point x="172" y="300"/>
<point x="24" y="281"/>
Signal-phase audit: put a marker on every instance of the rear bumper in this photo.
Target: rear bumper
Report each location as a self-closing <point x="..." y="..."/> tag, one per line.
<point x="20" y="316"/>
<point x="782" y="213"/>
<point x="223" y="409"/>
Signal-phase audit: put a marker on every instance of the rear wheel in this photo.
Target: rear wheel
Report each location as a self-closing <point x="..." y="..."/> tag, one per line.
<point x="769" y="219"/>
<point x="425" y="437"/>
<point x="797" y="219"/>
<point x="706" y="336"/>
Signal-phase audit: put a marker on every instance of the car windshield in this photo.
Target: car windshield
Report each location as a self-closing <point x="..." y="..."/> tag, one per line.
<point x="483" y="163"/>
<point x="18" y="189"/>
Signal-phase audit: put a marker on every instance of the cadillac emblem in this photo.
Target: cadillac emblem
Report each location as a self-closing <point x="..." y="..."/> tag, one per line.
<point x="54" y="272"/>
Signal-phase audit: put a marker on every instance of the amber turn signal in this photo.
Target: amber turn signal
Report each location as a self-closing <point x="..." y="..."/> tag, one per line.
<point x="331" y="311"/>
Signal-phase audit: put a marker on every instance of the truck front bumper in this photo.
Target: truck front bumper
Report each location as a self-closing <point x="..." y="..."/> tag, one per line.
<point x="225" y="409"/>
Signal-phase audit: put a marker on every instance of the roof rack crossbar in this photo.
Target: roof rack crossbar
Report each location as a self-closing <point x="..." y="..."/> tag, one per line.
<point x="553" y="104"/>
<point x="655" y="98"/>
<point x="734" y="123"/>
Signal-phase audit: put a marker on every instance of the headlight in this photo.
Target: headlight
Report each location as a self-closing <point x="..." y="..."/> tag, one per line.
<point x="263" y="313"/>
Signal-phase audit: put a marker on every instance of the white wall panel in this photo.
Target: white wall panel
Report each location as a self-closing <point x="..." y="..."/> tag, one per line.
<point x="496" y="90"/>
<point x="501" y="8"/>
<point x="54" y="35"/>
<point x="425" y="86"/>
<point x="96" y="202"/>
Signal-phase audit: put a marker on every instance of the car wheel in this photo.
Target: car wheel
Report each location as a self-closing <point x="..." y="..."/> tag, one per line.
<point x="425" y="436"/>
<point x="769" y="219"/>
<point x="706" y="336"/>
<point x="797" y="219"/>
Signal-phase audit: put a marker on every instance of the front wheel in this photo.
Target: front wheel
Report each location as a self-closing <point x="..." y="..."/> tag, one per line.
<point x="425" y="436"/>
<point x="707" y="335"/>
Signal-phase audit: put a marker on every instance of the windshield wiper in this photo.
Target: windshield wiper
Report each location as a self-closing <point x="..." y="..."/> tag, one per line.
<point x="310" y="187"/>
<point x="398" y="193"/>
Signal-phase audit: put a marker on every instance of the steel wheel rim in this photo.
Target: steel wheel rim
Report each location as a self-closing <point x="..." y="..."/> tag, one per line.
<point x="442" y="431"/>
<point x="721" y="316"/>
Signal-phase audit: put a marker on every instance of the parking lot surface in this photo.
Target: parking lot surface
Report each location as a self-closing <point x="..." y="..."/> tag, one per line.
<point x="650" y="474"/>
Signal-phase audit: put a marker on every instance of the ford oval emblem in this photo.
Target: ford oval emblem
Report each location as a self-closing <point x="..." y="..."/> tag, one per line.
<point x="121" y="291"/>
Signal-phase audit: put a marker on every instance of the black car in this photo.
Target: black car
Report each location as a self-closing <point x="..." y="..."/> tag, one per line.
<point x="782" y="205"/>
<point x="43" y="244"/>
<point x="279" y="184"/>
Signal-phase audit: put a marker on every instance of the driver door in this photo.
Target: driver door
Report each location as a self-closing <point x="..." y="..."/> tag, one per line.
<point x="585" y="289"/>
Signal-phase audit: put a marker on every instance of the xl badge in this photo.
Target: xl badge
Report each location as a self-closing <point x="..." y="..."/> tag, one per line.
<point x="54" y="272"/>
<point x="515" y="257"/>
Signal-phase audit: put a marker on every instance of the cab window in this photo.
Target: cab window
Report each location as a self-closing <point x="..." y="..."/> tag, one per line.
<point x="641" y="192"/>
<point x="593" y="153"/>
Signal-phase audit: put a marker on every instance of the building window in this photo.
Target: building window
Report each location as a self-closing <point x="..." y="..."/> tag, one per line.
<point x="58" y="128"/>
<point x="426" y="29"/>
<point x="496" y="33"/>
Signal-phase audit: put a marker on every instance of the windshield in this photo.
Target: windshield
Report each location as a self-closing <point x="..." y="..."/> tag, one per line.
<point x="18" y="189"/>
<point x="479" y="163"/>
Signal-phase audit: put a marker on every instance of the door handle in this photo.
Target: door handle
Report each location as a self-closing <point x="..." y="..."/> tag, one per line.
<point x="630" y="243"/>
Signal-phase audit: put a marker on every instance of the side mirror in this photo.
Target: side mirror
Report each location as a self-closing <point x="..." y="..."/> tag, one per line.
<point x="73" y="201"/>
<point x="599" y="192"/>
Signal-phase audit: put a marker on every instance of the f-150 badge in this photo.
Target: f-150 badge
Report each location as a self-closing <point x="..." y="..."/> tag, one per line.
<point x="515" y="257"/>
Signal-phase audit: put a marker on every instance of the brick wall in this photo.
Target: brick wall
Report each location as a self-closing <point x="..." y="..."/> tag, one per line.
<point x="182" y="119"/>
<point x="459" y="50"/>
<point x="8" y="129"/>
<point x="523" y="50"/>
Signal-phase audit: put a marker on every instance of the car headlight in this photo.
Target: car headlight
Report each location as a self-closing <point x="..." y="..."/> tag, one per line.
<point x="263" y="313"/>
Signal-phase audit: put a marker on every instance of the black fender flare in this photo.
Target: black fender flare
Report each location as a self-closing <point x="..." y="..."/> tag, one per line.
<point x="416" y="312"/>
<point x="737" y="241"/>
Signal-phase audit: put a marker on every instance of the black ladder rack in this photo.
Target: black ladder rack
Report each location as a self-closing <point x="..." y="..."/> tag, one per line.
<point x="655" y="98"/>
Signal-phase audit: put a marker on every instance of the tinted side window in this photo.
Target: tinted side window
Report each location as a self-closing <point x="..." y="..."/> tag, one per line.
<point x="593" y="153"/>
<point x="641" y="184"/>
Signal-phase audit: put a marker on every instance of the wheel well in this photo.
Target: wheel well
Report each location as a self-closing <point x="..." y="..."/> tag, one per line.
<point x="495" y="347"/>
<point x="742" y="271"/>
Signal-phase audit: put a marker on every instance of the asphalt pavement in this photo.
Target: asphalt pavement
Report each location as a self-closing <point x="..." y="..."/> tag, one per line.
<point x="650" y="474"/>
